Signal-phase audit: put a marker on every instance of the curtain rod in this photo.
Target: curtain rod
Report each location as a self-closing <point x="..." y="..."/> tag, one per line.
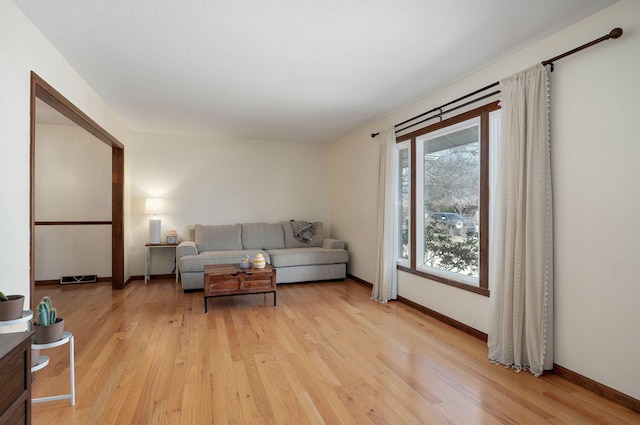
<point x="614" y="33"/>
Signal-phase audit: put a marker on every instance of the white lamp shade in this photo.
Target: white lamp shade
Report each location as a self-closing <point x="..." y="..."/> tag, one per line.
<point x="154" y="206"/>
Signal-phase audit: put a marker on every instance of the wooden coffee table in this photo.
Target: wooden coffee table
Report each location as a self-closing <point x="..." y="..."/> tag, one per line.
<point x="222" y="280"/>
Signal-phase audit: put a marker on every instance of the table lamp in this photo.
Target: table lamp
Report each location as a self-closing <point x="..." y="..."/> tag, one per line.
<point x="154" y="206"/>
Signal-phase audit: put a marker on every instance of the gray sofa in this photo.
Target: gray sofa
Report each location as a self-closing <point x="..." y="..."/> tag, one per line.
<point x="294" y="260"/>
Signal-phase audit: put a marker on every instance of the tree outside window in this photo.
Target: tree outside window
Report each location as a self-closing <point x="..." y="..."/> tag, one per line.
<point x="451" y="195"/>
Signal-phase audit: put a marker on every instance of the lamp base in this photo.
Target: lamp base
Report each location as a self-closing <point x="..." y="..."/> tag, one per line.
<point x="154" y="230"/>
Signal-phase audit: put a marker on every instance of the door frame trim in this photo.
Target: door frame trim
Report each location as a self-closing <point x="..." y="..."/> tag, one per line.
<point x="40" y="89"/>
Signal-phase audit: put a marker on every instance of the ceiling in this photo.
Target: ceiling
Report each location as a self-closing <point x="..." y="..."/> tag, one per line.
<point x="299" y="71"/>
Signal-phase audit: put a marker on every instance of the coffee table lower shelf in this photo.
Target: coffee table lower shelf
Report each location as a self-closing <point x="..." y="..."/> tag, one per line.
<point x="221" y="280"/>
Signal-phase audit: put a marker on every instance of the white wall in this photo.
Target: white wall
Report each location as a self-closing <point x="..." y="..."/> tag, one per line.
<point x="206" y="180"/>
<point x="23" y="49"/>
<point x="595" y="151"/>
<point x="72" y="183"/>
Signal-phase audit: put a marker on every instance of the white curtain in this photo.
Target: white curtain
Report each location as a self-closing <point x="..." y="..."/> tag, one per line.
<point x="521" y="269"/>
<point x="385" y="284"/>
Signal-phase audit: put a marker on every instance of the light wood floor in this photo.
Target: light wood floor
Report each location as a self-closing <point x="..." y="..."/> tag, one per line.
<point x="325" y="355"/>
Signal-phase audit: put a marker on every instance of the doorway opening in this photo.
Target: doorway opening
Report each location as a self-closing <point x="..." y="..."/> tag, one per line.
<point x="41" y="90"/>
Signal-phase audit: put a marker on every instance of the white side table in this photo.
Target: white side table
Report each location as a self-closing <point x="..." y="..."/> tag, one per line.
<point x="27" y="315"/>
<point x="148" y="247"/>
<point x="67" y="337"/>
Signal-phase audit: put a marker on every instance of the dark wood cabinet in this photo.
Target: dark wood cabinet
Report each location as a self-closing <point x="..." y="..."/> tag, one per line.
<point x="15" y="378"/>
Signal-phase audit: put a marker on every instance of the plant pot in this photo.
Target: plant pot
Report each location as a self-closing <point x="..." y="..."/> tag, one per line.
<point x="11" y="309"/>
<point x="47" y="334"/>
<point x="35" y="356"/>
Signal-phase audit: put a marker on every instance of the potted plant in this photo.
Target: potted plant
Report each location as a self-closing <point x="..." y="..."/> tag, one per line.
<point x="11" y="306"/>
<point x="49" y="327"/>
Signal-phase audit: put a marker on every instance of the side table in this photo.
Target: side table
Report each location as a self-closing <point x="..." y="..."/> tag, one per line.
<point x="67" y="337"/>
<point x="148" y="247"/>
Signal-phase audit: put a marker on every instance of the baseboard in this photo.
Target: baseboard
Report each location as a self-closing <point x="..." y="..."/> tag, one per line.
<point x="57" y="281"/>
<point x="360" y="281"/>
<point x="598" y="388"/>
<point x="153" y="276"/>
<point x="445" y="319"/>
<point x="573" y="377"/>
<point x="564" y="373"/>
<point x="441" y="317"/>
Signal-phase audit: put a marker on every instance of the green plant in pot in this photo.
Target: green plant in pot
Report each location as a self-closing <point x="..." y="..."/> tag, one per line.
<point x="11" y="306"/>
<point x="49" y="327"/>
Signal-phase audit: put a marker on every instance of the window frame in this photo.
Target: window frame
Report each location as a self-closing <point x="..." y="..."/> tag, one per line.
<point x="407" y="145"/>
<point x="486" y="130"/>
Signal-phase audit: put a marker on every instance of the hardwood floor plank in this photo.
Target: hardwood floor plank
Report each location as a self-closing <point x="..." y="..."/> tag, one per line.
<point x="324" y="398"/>
<point x="245" y="394"/>
<point x="217" y="396"/>
<point x="310" y="409"/>
<point x="158" y="413"/>
<point x="327" y="354"/>
<point x="284" y="404"/>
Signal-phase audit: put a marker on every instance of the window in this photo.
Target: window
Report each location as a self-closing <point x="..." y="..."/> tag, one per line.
<point x="449" y="222"/>
<point x="448" y="198"/>
<point x="403" y="158"/>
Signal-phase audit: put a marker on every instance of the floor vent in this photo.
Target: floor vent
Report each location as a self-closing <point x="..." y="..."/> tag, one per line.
<point x="90" y="278"/>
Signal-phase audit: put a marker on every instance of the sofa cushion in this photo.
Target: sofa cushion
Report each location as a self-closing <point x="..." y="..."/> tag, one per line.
<point x="196" y="263"/>
<point x="290" y="240"/>
<point x="306" y="256"/>
<point x="262" y="236"/>
<point x="218" y="238"/>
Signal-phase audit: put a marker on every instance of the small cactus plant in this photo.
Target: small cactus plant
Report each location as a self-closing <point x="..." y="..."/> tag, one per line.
<point x="46" y="314"/>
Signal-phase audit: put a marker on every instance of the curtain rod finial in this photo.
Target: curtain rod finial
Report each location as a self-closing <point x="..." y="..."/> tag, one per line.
<point x="615" y="33"/>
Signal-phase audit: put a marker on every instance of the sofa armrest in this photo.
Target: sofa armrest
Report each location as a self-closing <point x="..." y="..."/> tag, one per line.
<point x="187" y="248"/>
<point x="332" y="243"/>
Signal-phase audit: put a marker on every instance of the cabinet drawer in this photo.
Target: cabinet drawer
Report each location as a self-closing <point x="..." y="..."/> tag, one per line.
<point x="17" y="414"/>
<point x="15" y="378"/>
<point x="12" y="377"/>
<point x="223" y="285"/>
<point x="257" y="282"/>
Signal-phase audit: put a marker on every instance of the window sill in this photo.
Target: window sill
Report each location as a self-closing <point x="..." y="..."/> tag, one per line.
<point x="450" y="282"/>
